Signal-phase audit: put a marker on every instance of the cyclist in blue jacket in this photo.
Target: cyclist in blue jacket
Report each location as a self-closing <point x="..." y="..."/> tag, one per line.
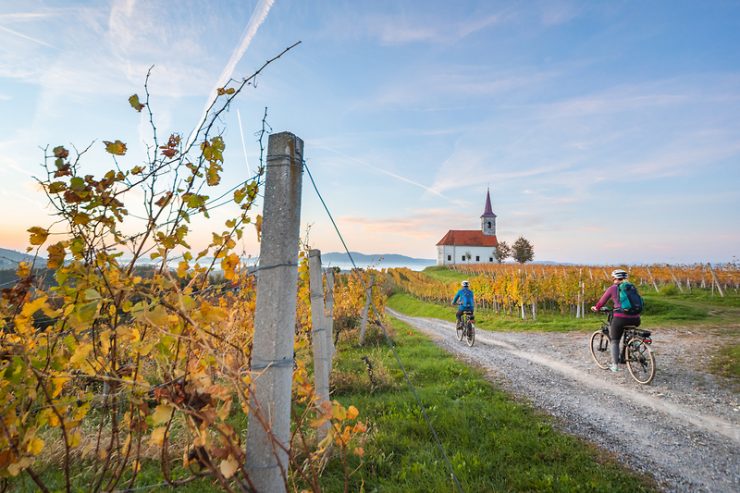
<point x="466" y="301"/>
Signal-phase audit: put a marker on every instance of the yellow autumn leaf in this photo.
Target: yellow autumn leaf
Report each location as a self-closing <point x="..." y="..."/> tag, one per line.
<point x="38" y="235"/>
<point x="80" y="354"/>
<point x="161" y="414"/>
<point x="116" y="148"/>
<point x="228" y="466"/>
<point x="135" y="103"/>
<point x="35" y="446"/>
<point x="258" y="227"/>
<point x="157" y="316"/>
<point x="75" y="438"/>
<point x="339" y="412"/>
<point x="58" y="383"/>
<point x="229" y="265"/>
<point x="157" y="437"/>
<point x="33" y="306"/>
<point x="56" y="255"/>
<point x="352" y="412"/>
<point x="49" y="417"/>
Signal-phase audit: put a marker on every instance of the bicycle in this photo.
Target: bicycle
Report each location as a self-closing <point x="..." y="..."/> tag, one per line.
<point x="636" y="352"/>
<point x="466" y="329"/>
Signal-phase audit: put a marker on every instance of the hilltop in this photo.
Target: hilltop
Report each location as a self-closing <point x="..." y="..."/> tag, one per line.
<point x="9" y="259"/>
<point x="377" y="260"/>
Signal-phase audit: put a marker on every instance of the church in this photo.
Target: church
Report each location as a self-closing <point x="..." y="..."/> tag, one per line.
<point x="464" y="246"/>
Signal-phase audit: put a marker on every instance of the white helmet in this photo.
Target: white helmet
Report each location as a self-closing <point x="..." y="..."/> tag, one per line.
<point x="465" y="284"/>
<point x="619" y="274"/>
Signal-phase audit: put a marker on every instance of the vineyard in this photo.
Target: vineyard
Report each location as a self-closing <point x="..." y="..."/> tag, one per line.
<point x="569" y="290"/>
<point x="135" y="361"/>
<point x="144" y="367"/>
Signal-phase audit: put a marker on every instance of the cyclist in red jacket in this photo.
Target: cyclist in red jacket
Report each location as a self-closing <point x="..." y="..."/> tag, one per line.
<point x="619" y="318"/>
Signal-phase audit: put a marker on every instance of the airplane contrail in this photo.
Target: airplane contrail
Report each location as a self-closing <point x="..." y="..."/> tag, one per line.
<point x="29" y="38"/>
<point x="244" y="146"/>
<point x="389" y="173"/>
<point x="255" y="21"/>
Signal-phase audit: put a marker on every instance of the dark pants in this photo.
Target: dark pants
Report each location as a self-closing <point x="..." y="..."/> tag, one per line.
<point x="459" y="313"/>
<point x="616" y="329"/>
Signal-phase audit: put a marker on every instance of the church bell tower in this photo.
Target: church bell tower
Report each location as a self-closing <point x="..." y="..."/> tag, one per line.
<point x="488" y="219"/>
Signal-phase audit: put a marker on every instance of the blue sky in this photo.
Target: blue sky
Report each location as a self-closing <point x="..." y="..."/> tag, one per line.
<point x="606" y="131"/>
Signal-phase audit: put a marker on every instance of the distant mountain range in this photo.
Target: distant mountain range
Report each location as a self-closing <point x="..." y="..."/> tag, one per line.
<point x="378" y="260"/>
<point x="9" y="259"/>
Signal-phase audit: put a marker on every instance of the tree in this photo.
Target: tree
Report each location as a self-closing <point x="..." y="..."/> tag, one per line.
<point x="522" y="250"/>
<point x="502" y="251"/>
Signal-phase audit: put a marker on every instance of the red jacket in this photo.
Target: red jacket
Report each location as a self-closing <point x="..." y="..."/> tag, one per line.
<point x="612" y="292"/>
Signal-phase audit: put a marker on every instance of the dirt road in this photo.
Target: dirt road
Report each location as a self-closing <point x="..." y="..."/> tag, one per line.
<point x="683" y="429"/>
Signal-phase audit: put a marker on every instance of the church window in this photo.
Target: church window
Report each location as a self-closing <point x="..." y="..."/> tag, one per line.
<point x="449" y="257"/>
<point x="477" y="258"/>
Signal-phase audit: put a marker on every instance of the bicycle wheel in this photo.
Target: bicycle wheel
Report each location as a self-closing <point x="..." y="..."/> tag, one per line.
<point x="640" y="361"/>
<point x="459" y="330"/>
<point x="470" y="334"/>
<point x="600" y="349"/>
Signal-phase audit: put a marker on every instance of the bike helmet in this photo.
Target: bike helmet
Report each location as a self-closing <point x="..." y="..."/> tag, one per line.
<point x="619" y="274"/>
<point x="465" y="284"/>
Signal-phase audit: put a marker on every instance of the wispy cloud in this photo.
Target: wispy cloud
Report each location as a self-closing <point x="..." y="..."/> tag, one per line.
<point x="556" y="13"/>
<point x="401" y="28"/>
<point x="420" y="224"/>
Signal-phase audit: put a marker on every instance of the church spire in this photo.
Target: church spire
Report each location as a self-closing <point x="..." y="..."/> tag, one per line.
<point x="488" y="219"/>
<point x="488" y="211"/>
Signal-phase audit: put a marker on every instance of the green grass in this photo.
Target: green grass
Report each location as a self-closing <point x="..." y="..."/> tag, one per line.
<point x="82" y="480"/>
<point x="493" y="442"/>
<point x="727" y="364"/>
<point x="490" y="320"/>
<point x="444" y="274"/>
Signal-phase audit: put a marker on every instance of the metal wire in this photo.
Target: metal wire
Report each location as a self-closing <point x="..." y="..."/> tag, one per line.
<point x="437" y="441"/>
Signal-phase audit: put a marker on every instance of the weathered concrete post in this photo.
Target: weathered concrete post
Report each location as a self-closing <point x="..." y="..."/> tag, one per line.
<point x="365" y="310"/>
<point x="268" y="432"/>
<point x="321" y="355"/>
<point x="330" y="311"/>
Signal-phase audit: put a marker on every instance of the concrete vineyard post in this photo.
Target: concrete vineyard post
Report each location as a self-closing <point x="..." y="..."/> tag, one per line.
<point x="268" y="433"/>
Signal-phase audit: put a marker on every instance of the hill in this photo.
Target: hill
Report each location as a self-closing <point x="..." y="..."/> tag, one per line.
<point x="9" y="259"/>
<point x="377" y="260"/>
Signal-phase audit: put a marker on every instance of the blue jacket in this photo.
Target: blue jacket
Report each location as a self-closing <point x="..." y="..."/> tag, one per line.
<point x="465" y="296"/>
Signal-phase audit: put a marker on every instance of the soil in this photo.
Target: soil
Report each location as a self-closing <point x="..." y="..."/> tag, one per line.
<point x="683" y="429"/>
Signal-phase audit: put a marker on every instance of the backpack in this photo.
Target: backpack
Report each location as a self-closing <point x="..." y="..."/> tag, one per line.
<point x="629" y="299"/>
<point x="466" y="297"/>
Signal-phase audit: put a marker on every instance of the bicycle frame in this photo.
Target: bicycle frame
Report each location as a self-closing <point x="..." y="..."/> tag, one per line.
<point x="635" y="350"/>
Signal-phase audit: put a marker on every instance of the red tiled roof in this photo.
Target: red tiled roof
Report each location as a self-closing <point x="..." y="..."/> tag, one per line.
<point x="465" y="237"/>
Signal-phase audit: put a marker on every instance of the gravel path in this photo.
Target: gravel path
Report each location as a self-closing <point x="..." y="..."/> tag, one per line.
<point x="683" y="429"/>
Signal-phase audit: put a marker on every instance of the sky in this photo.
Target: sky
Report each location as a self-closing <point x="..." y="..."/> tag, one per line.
<point x="606" y="132"/>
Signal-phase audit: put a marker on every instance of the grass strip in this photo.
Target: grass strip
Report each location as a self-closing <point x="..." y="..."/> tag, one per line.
<point x="490" y="320"/>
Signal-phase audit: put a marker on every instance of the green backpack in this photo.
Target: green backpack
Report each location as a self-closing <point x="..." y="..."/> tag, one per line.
<point x="629" y="299"/>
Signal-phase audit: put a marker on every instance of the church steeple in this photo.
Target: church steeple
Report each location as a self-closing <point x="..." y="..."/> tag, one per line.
<point x="488" y="219"/>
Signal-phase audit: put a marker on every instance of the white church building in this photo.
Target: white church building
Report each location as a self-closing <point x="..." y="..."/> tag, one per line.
<point x="464" y="246"/>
